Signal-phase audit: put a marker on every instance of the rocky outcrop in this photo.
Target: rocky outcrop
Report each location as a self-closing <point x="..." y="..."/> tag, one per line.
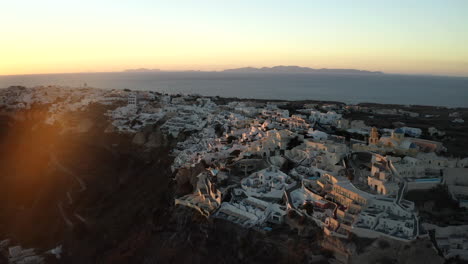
<point x="186" y="179"/>
<point x="218" y="241"/>
<point x="151" y="138"/>
<point x="78" y="126"/>
<point x="392" y="251"/>
<point x="156" y="139"/>
<point x="139" y="138"/>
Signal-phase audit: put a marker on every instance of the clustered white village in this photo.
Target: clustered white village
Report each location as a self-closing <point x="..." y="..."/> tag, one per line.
<point x="265" y="166"/>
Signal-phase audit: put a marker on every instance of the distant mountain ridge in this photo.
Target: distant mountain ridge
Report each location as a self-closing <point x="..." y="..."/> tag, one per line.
<point x="274" y="69"/>
<point x="298" y="69"/>
<point x="142" y="70"/>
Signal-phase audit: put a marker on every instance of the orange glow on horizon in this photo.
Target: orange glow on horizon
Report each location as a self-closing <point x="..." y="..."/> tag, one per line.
<point x="90" y="36"/>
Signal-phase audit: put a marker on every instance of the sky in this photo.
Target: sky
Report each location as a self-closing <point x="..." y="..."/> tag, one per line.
<point x="393" y="36"/>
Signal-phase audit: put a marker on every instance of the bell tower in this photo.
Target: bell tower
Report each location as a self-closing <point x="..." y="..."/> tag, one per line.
<point x="374" y="136"/>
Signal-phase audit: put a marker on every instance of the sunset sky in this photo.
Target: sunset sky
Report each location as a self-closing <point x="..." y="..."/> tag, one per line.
<point x="394" y="36"/>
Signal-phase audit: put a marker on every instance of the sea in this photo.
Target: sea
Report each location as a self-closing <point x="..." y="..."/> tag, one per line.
<point x="347" y="88"/>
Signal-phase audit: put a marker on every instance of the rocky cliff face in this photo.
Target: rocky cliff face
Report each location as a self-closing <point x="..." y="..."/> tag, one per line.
<point x="82" y="188"/>
<point x="150" y="138"/>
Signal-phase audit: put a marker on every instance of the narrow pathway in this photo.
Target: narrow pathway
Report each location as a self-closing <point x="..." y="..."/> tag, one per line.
<point x="69" y="194"/>
<point x="66" y="170"/>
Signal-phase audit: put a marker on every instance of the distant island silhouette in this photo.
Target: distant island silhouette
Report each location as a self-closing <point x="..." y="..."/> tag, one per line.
<point x="298" y="69"/>
<point x="274" y="69"/>
<point x="142" y="70"/>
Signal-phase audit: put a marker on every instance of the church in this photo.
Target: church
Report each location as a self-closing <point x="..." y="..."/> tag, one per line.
<point x="395" y="143"/>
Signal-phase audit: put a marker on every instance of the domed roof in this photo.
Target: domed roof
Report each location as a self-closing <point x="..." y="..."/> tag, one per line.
<point x="399" y="131"/>
<point x="405" y="144"/>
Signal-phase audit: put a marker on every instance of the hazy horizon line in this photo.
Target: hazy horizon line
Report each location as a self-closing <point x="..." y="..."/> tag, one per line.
<point x="157" y="70"/>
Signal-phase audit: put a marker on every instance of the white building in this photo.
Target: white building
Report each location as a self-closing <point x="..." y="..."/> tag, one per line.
<point x="269" y="183"/>
<point x="132" y="99"/>
<point x="328" y="118"/>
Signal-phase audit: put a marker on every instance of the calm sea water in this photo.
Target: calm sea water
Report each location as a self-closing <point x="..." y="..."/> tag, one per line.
<point x="391" y="89"/>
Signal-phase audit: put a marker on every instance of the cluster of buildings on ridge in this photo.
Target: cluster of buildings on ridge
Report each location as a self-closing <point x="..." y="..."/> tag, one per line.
<point x="266" y="163"/>
<point x="263" y="163"/>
